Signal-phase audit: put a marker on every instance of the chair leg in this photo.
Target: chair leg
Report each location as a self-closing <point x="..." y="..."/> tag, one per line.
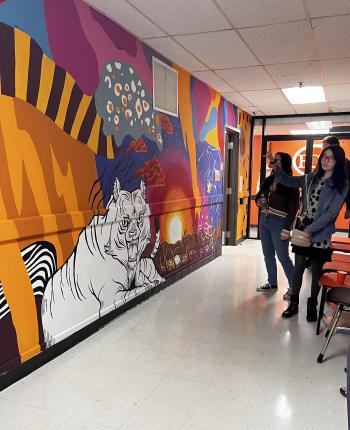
<point x="331" y="329"/>
<point x="330" y="324"/>
<point x="320" y="314"/>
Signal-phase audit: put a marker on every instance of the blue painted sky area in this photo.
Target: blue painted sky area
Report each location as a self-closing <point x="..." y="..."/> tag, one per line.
<point x="210" y="124"/>
<point x="29" y="16"/>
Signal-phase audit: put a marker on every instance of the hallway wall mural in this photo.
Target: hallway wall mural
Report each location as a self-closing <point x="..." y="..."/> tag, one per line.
<point x="101" y="196"/>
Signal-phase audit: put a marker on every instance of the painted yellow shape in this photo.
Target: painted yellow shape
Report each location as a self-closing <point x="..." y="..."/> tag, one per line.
<point x="212" y="138"/>
<point x="67" y="91"/>
<point x="80" y="115"/>
<point x="46" y="79"/>
<point x="92" y="142"/>
<point x="24" y="162"/>
<point x="110" y="152"/>
<point x="65" y="188"/>
<point x="185" y="113"/>
<point x="22" y="53"/>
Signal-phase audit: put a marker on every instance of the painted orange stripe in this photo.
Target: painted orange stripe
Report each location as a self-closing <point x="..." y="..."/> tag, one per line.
<point x="80" y="115"/>
<point x="185" y="114"/>
<point x="92" y="143"/>
<point x="67" y="90"/>
<point x="47" y="72"/>
<point x="22" y="52"/>
<point x="110" y="152"/>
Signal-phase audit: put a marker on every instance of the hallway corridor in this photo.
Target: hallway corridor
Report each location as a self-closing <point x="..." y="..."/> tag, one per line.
<point x="207" y="353"/>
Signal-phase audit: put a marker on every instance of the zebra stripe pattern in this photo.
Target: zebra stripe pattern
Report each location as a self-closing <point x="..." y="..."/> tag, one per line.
<point x="28" y="74"/>
<point x="4" y="307"/>
<point x="40" y="261"/>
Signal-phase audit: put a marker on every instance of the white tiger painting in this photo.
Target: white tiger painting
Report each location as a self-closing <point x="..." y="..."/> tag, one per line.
<point x="104" y="267"/>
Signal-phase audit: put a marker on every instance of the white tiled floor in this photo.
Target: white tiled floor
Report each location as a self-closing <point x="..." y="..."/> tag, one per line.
<point x="208" y="353"/>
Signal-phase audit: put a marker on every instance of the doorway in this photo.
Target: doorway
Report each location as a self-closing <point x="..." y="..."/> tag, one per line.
<point x="230" y="191"/>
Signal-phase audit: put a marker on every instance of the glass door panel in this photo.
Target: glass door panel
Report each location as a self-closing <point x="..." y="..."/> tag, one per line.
<point x="295" y="148"/>
<point x="255" y="184"/>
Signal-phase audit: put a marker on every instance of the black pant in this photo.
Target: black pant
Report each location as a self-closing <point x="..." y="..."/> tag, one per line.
<point x="299" y="268"/>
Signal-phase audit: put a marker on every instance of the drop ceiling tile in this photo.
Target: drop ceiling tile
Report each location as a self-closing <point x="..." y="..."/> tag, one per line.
<point x="318" y="8"/>
<point x="183" y="16"/>
<point x="337" y="92"/>
<point x="277" y="110"/>
<point x="311" y="108"/>
<point x="332" y="36"/>
<point x="262" y="12"/>
<point x="128" y="17"/>
<point x="336" y="71"/>
<point x="213" y="81"/>
<point x="265" y="97"/>
<point x="236" y="98"/>
<point x="281" y="43"/>
<point x="282" y="129"/>
<point x="175" y="53"/>
<point x="247" y="78"/>
<point x="220" y="50"/>
<point x="288" y="75"/>
<point x="340" y="106"/>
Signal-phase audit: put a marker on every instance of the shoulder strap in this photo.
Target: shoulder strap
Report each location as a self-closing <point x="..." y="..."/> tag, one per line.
<point x="307" y="189"/>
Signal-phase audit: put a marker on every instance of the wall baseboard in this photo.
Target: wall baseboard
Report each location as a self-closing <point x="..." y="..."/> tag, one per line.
<point x="242" y="239"/>
<point x="19" y="372"/>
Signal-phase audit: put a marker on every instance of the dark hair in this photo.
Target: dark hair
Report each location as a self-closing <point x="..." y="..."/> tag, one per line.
<point x="286" y="162"/>
<point x="339" y="174"/>
<point x="331" y="140"/>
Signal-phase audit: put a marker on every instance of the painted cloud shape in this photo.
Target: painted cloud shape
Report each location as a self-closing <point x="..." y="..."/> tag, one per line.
<point x="126" y="108"/>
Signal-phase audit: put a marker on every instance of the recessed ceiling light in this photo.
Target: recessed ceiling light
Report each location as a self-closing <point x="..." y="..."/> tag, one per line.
<point x="308" y="131"/>
<point x="302" y="95"/>
<point x="317" y="125"/>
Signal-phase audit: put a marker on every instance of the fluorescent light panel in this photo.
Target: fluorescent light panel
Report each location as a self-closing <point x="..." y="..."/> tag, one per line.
<point x="307" y="131"/>
<point x="319" y="125"/>
<point x="304" y="95"/>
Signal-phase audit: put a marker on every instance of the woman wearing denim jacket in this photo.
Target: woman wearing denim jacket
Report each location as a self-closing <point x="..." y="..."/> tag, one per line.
<point x="279" y="206"/>
<point x="324" y="192"/>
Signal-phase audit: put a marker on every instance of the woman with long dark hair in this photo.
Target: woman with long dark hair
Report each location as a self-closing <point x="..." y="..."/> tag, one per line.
<point x="279" y="205"/>
<point x="324" y="192"/>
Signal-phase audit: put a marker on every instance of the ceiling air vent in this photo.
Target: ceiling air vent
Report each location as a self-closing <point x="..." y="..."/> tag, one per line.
<point x="164" y="88"/>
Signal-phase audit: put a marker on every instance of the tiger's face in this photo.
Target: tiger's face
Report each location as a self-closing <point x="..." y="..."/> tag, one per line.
<point x="130" y="230"/>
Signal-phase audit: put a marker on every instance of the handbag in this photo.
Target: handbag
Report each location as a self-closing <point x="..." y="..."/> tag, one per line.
<point x="299" y="236"/>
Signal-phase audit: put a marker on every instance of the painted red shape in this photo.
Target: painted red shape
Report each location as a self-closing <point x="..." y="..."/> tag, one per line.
<point x="166" y="124"/>
<point x="152" y="173"/>
<point x="137" y="146"/>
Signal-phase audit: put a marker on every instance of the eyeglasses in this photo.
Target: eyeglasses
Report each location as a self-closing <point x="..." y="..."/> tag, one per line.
<point x="331" y="158"/>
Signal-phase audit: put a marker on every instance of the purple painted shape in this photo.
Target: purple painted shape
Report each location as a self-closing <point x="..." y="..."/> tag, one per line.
<point x="88" y="40"/>
<point x="202" y="99"/>
<point x="107" y="49"/>
<point x="230" y="118"/>
<point x="69" y="45"/>
<point x="120" y="37"/>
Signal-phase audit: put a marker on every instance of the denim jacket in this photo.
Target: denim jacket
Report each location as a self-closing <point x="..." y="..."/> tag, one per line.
<point x="329" y="205"/>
